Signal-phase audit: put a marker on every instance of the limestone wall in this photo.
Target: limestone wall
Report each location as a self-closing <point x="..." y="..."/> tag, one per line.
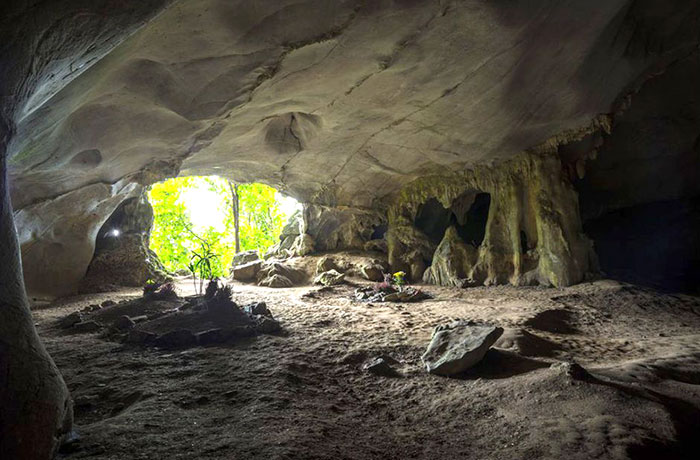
<point x="529" y="194"/>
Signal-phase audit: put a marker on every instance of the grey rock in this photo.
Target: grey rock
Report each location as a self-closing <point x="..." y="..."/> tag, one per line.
<point x="325" y="264"/>
<point x="258" y="308"/>
<point x="457" y="346"/>
<point x="247" y="271"/>
<point x="71" y="320"/>
<point x="330" y="278"/>
<point x="571" y="369"/>
<point x="372" y="272"/>
<point x="245" y="257"/>
<point x="276" y="281"/>
<point x="267" y="325"/>
<point x="108" y="303"/>
<point x="382" y="366"/>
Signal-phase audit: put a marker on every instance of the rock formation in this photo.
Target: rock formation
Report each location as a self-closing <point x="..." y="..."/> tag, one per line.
<point x="455" y="134"/>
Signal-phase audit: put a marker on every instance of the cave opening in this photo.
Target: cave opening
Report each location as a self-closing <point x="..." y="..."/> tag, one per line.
<point x="468" y="214"/>
<point x="226" y="217"/>
<point x="652" y="244"/>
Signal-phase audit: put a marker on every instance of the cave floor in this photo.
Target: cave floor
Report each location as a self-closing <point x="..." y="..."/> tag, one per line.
<point x="303" y="394"/>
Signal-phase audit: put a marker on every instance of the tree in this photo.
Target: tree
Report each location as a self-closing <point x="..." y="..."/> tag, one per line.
<point x="235" y="208"/>
<point x="251" y="215"/>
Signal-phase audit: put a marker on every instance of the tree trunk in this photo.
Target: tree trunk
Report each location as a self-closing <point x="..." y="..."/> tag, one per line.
<point x="235" y="203"/>
<point x="35" y="407"/>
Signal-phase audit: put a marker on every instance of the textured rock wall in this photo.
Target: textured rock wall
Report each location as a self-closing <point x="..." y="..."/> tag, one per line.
<point x="58" y="236"/>
<point x="122" y="256"/>
<point x="529" y="194"/>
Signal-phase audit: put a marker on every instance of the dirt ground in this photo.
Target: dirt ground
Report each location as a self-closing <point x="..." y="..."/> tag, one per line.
<point x="304" y="395"/>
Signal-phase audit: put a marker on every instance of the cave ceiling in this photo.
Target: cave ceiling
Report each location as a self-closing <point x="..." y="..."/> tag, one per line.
<point x="337" y="101"/>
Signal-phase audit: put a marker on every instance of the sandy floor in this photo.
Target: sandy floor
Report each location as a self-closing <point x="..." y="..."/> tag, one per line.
<point x="304" y="394"/>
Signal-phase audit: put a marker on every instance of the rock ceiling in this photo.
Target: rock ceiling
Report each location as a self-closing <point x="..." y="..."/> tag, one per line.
<point x="332" y="101"/>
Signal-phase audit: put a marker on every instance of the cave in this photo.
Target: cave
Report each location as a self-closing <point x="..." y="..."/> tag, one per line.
<point x="498" y="228"/>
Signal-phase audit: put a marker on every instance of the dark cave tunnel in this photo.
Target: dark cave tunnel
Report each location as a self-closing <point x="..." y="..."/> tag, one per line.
<point x="469" y="214"/>
<point x="640" y="196"/>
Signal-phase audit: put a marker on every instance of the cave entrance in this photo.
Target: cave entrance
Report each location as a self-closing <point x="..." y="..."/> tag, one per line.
<point x="654" y="244"/>
<point x="468" y="213"/>
<point x="189" y="212"/>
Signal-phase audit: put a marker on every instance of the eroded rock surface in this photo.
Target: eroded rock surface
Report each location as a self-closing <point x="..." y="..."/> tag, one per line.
<point x="457" y="346"/>
<point x="356" y="109"/>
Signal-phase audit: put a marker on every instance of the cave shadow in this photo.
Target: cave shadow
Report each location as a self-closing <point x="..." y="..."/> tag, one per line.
<point x="685" y="418"/>
<point x="557" y="321"/>
<point x="501" y="364"/>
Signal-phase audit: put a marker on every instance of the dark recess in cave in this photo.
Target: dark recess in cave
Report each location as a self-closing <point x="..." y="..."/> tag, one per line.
<point x="523" y="242"/>
<point x="656" y="244"/>
<point x="433" y="219"/>
<point x="379" y="231"/>
<point x="474" y="228"/>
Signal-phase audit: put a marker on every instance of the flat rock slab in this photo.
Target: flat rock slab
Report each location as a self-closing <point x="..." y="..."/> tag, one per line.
<point x="457" y="346"/>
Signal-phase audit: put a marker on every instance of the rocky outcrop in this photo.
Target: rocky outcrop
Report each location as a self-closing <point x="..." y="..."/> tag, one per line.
<point x="385" y="109"/>
<point x="122" y="256"/>
<point x="530" y="231"/>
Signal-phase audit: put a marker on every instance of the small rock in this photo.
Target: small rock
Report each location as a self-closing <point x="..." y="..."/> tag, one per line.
<point x="372" y="272"/>
<point x="382" y="366"/>
<point x="108" y="303"/>
<point x="571" y="369"/>
<point x="245" y="257"/>
<point x="258" y="308"/>
<point x="267" y="325"/>
<point x="247" y="271"/>
<point x="87" y="326"/>
<point x="176" y="339"/>
<point x="457" y="346"/>
<point x="71" y="320"/>
<point x="330" y="278"/>
<point x="325" y="264"/>
<point x="124" y="323"/>
<point x="276" y="281"/>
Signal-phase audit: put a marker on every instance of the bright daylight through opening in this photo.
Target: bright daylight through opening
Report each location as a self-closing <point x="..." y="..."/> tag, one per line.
<point x="193" y="211"/>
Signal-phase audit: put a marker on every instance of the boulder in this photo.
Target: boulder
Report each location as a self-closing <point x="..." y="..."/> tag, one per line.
<point x="330" y="278"/>
<point x="246" y="272"/>
<point x="245" y="257"/>
<point x="372" y="272"/>
<point x="294" y="275"/>
<point x="457" y="346"/>
<point x="326" y="263"/>
<point x="382" y="366"/>
<point x="276" y="281"/>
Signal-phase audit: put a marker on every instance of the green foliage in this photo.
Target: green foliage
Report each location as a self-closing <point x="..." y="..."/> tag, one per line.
<point x="175" y="238"/>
